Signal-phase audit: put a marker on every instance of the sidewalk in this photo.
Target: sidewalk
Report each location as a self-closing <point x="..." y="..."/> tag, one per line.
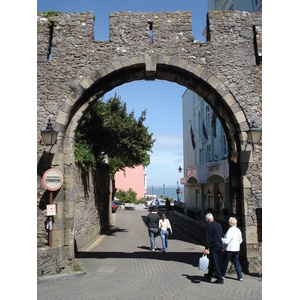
<point x="196" y="228"/>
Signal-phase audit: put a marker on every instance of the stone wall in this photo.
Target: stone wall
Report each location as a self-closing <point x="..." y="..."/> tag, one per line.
<point x="224" y="70"/>
<point x="86" y="224"/>
<point x="86" y="215"/>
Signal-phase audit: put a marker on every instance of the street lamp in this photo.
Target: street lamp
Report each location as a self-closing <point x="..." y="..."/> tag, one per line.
<point x="49" y="135"/>
<point x="254" y="134"/>
<point x="179" y="169"/>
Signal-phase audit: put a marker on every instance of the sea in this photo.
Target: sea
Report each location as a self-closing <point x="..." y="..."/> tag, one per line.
<point x="167" y="191"/>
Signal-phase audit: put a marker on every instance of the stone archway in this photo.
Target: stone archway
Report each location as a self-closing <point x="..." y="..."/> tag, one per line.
<point x="209" y="81"/>
<point x="91" y="88"/>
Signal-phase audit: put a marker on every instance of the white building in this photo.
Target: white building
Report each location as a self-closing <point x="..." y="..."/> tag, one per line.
<point x="241" y="5"/>
<point x="206" y="169"/>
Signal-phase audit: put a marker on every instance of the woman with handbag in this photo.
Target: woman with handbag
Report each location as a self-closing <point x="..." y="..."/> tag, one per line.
<point x="164" y="228"/>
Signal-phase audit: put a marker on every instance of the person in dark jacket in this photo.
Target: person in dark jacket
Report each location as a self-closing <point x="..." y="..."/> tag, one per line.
<point x="152" y="222"/>
<point x="214" y="234"/>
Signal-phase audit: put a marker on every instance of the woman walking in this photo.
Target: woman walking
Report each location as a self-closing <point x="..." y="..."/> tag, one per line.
<point x="164" y="226"/>
<point x="232" y="240"/>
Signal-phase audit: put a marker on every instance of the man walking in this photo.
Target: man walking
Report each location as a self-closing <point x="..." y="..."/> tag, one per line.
<point x="214" y="234"/>
<point x="152" y="222"/>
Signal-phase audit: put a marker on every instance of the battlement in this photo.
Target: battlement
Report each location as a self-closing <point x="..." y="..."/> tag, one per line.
<point x="128" y="27"/>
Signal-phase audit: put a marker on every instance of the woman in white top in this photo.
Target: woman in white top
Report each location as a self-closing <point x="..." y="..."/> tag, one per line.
<point x="164" y="225"/>
<point x="232" y="240"/>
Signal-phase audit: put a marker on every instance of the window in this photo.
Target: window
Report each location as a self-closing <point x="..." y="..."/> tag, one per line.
<point x="207" y="154"/>
<point x="224" y="143"/>
<point x="201" y="157"/>
<point x="207" y="121"/>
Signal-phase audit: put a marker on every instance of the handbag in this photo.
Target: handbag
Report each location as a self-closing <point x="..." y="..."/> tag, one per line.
<point x="203" y="263"/>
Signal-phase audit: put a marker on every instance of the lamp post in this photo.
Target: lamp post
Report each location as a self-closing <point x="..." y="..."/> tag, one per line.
<point x="178" y="188"/>
<point x="49" y="136"/>
<point x="209" y="197"/>
<point x="254" y="134"/>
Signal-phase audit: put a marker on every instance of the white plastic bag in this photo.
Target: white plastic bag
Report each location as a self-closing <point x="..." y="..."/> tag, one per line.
<point x="203" y="263"/>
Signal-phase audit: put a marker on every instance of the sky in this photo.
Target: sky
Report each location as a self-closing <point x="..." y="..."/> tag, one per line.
<point x="161" y="99"/>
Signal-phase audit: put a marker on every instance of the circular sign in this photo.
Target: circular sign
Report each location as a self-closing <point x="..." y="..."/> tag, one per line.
<point x="52" y="179"/>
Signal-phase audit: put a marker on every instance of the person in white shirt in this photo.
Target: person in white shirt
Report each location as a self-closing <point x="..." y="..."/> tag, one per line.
<point x="232" y="240"/>
<point x="163" y="225"/>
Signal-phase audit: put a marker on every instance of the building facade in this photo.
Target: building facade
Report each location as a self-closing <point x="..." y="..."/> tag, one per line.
<point x="205" y="150"/>
<point x="134" y="178"/>
<point x="241" y="5"/>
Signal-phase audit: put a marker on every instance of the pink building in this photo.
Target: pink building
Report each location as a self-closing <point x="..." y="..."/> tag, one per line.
<point x="134" y="178"/>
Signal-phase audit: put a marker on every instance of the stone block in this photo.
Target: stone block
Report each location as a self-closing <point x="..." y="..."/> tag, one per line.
<point x="240" y="117"/>
<point x="62" y="118"/>
<point x="213" y="81"/>
<point x="251" y="234"/>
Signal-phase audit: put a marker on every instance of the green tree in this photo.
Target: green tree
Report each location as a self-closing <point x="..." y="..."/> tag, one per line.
<point x="107" y="129"/>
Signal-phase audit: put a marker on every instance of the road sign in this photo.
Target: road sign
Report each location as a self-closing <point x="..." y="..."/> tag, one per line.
<point x="52" y="179"/>
<point x="51" y="210"/>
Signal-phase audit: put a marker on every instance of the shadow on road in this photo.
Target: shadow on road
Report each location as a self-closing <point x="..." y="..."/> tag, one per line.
<point x="191" y="258"/>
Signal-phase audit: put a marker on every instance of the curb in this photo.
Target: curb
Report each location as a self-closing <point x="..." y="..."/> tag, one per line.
<point x="59" y="277"/>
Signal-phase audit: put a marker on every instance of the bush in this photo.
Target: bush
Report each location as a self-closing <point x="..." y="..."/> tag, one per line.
<point x="126" y="197"/>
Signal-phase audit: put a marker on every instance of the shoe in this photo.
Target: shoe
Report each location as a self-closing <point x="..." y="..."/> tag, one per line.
<point x="152" y="249"/>
<point x="208" y="277"/>
<point x="240" y="279"/>
<point x="219" y="281"/>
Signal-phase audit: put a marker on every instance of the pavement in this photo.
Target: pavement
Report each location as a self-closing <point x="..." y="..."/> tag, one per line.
<point x="128" y="263"/>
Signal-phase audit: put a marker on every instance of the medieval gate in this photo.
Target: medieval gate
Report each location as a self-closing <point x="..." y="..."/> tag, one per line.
<point x="74" y="70"/>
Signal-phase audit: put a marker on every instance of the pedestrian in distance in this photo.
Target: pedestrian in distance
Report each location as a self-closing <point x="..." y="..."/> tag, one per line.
<point x="168" y="205"/>
<point x="157" y="203"/>
<point x="152" y="223"/>
<point x="214" y="244"/>
<point x="232" y="241"/>
<point x="164" y="228"/>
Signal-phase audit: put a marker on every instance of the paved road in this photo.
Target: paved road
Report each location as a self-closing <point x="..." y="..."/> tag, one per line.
<point x="121" y="266"/>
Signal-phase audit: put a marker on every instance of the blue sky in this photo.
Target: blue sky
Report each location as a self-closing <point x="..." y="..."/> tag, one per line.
<point x="162" y="99"/>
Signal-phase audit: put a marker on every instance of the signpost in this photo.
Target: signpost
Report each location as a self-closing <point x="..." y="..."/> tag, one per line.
<point x="52" y="180"/>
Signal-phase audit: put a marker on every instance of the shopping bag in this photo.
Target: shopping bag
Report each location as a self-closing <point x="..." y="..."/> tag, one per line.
<point x="203" y="263"/>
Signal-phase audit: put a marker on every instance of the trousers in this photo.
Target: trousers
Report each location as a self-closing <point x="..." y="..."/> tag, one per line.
<point x="214" y="262"/>
<point x="234" y="255"/>
<point x="153" y="234"/>
<point x="164" y="234"/>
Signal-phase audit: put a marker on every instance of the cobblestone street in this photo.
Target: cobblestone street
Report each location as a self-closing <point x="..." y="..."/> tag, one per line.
<point x="121" y="266"/>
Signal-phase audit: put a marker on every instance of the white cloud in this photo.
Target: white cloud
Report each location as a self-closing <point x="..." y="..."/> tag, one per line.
<point x="167" y="141"/>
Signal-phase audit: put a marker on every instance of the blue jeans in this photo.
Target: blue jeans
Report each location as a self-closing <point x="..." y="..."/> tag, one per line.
<point x="164" y="234"/>
<point x="214" y="262"/>
<point x="153" y="234"/>
<point x="235" y="257"/>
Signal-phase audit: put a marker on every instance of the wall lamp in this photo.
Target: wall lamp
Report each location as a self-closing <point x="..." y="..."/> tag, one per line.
<point x="254" y="134"/>
<point x="49" y="135"/>
<point x="208" y="193"/>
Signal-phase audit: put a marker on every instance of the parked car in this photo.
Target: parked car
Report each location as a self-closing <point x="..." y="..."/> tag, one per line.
<point x="118" y="201"/>
<point x="162" y="203"/>
<point x="148" y="202"/>
<point x="114" y="207"/>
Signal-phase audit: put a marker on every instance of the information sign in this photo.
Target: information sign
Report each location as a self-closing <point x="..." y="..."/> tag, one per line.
<point x="51" y="210"/>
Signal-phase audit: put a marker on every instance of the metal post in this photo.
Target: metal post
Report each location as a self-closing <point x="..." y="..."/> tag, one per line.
<point x="50" y="221"/>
